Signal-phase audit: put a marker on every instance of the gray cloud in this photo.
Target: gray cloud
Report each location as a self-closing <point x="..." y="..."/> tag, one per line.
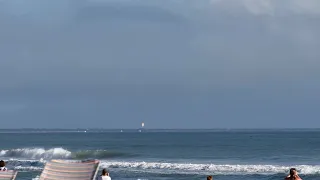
<point x="79" y="56"/>
<point x="89" y="42"/>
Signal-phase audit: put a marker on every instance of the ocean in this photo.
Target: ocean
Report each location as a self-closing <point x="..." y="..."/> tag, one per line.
<point x="168" y="155"/>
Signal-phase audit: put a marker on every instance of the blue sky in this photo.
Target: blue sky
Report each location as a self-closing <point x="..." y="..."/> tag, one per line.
<point x="172" y="64"/>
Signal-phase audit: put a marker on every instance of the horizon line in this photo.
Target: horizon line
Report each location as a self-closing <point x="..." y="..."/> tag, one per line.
<point x="157" y="128"/>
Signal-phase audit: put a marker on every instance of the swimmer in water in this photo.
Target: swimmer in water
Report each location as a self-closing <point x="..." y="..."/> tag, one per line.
<point x="293" y="175"/>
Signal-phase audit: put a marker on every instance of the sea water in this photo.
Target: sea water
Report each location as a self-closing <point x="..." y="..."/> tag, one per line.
<point x="166" y="155"/>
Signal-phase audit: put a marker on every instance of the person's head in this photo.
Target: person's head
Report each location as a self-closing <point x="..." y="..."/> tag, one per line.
<point x="104" y="172"/>
<point x="2" y="163"/>
<point x="209" y="178"/>
<point x="293" y="171"/>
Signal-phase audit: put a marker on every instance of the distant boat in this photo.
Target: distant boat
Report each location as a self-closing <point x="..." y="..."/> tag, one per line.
<point x="142" y="127"/>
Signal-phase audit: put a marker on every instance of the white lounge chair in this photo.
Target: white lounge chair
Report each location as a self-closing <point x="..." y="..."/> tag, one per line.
<point x="66" y="170"/>
<point x="8" y="175"/>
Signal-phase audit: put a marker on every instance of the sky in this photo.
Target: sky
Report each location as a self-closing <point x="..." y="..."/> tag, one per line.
<point x="169" y="63"/>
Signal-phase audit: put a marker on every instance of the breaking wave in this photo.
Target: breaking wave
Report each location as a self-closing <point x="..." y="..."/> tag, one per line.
<point x="36" y="153"/>
<point x="59" y="153"/>
<point x="186" y="168"/>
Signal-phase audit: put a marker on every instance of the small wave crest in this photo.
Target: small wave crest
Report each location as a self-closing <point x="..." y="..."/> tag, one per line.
<point x="159" y="167"/>
<point x="59" y="153"/>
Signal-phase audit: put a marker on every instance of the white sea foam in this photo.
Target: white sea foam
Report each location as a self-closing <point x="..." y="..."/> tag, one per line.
<point x="36" y="178"/>
<point x="212" y="168"/>
<point x="36" y="153"/>
<point x="28" y="168"/>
